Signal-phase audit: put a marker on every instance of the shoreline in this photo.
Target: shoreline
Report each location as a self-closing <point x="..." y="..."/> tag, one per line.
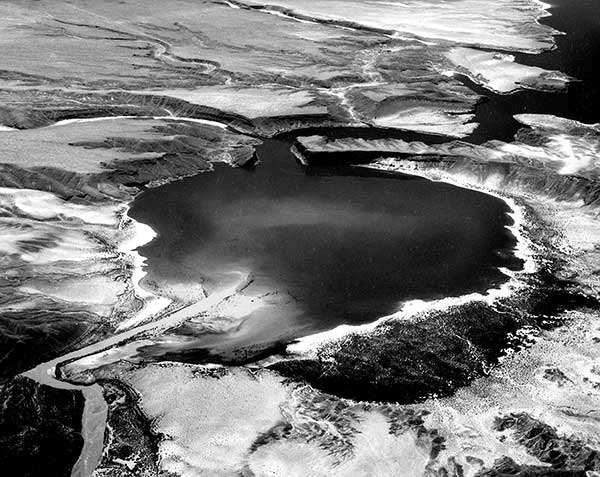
<point x="307" y="345"/>
<point x="95" y="411"/>
<point x="154" y="304"/>
<point x="142" y="234"/>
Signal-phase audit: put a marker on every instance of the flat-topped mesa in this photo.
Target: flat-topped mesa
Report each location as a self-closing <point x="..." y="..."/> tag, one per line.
<point x="319" y="150"/>
<point x="116" y="157"/>
<point x="383" y="64"/>
<point x="24" y="109"/>
<point x="552" y="157"/>
<point x="510" y="25"/>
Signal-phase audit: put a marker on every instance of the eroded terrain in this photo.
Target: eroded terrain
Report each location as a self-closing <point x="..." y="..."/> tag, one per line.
<point x="106" y="367"/>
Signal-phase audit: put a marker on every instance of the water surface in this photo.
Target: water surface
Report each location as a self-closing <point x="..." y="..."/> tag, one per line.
<point x="325" y="246"/>
<point x="577" y="55"/>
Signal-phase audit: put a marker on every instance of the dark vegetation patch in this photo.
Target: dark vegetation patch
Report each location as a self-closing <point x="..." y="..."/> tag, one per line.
<point x="49" y="332"/>
<point x="409" y="361"/>
<point x="128" y="435"/>
<point x="40" y="429"/>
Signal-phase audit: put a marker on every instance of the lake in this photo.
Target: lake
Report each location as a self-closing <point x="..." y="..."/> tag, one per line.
<point x="325" y="245"/>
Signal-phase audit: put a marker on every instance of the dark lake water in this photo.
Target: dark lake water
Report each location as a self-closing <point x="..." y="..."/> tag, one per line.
<point x="326" y="245"/>
<point x="577" y="54"/>
<point x="340" y="244"/>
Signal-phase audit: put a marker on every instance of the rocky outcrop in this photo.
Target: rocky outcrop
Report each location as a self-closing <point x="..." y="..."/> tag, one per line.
<point x="507" y="467"/>
<point x="543" y="442"/>
<point x="563" y="456"/>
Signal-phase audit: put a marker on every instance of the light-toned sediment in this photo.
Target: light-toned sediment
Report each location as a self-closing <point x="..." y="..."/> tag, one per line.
<point x="507" y="24"/>
<point x="500" y="73"/>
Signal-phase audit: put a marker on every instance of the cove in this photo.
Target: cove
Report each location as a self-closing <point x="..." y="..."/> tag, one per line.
<point x="324" y="245"/>
<point x="576" y="54"/>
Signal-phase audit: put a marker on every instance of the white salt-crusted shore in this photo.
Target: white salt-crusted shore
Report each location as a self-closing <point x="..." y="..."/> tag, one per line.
<point x="308" y="346"/>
